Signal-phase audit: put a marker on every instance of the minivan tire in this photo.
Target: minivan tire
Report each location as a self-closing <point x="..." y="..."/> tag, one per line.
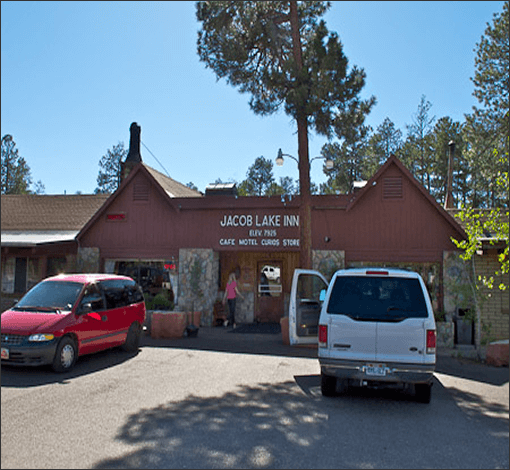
<point x="65" y="355"/>
<point x="423" y="392"/>
<point x="328" y="385"/>
<point x="133" y="338"/>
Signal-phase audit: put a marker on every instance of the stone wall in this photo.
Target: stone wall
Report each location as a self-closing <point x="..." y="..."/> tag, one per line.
<point x="204" y="265"/>
<point x="327" y="262"/>
<point x="88" y="260"/>
<point x="460" y="291"/>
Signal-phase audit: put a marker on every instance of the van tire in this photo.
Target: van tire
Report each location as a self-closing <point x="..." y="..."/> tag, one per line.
<point x="65" y="355"/>
<point x="328" y="385"/>
<point x="423" y="392"/>
<point x="133" y="338"/>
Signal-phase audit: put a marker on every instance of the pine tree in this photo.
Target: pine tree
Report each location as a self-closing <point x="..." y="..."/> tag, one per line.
<point x="487" y="126"/>
<point x="108" y="179"/>
<point x="16" y="178"/>
<point x="284" y="56"/>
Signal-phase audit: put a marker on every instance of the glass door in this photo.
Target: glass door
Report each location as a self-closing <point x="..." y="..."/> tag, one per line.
<point x="269" y="296"/>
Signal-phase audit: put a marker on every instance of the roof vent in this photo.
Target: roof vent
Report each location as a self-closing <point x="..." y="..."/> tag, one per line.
<point x="392" y="188"/>
<point x="221" y="189"/>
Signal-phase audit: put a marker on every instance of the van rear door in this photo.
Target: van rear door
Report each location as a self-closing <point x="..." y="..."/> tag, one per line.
<point x="402" y="332"/>
<point x="351" y="339"/>
<point x="404" y="341"/>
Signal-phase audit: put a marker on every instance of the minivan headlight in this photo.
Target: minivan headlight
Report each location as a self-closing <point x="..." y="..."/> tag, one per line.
<point x="41" y="337"/>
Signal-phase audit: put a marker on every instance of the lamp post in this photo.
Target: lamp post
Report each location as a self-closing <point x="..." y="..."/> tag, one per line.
<point x="279" y="159"/>
<point x="305" y="208"/>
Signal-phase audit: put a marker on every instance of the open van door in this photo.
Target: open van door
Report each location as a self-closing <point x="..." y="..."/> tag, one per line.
<point x="306" y="296"/>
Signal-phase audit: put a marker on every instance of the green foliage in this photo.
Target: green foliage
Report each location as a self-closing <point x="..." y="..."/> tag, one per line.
<point x="487" y="126"/>
<point x="250" y="44"/>
<point x="259" y="178"/>
<point x="15" y="177"/>
<point x="108" y="179"/>
<point x="159" y="302"/>
<point x="491" y="225"/>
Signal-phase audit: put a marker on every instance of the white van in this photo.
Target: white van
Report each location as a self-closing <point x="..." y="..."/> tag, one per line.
<point x="376" y="328"/>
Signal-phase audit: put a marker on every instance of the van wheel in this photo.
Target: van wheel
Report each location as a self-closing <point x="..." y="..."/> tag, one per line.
<point x="65" y="355"/>
<point x="328" y="385"/>
<point x="423" y="392"/>
<point x="132" y="338"/>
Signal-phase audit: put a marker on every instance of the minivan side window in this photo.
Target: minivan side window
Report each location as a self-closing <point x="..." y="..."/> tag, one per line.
<point x="377" y="298"/>
<point x="93" y="296"/>
<point x="121" y="293"/>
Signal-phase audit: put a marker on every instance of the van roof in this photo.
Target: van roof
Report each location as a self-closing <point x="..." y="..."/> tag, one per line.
<point x="377" y="271"/>
<point x="86" y="277"/>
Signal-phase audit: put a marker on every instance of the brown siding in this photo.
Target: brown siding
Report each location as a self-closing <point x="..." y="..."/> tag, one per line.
<point x="392" y="223"/>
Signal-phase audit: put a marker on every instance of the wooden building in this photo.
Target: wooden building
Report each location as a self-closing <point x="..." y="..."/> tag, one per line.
<point x="167" y="235"/>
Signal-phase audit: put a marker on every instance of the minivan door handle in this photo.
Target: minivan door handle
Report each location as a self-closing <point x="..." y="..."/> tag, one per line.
<point x="413" y="349"/>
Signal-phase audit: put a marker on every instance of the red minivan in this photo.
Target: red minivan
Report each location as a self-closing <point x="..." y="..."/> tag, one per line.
<point x="69" y="315"/>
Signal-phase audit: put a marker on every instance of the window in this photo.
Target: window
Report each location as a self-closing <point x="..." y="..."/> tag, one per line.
<point x="121" y="293"/>
<point x="93" y="296"/>
<point x="377" y="298"/>
<point x="56" y="265"/>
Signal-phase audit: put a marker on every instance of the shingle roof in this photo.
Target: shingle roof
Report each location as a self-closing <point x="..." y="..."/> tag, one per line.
<point x="172" y="188"/>
<point x="49" y="212"/>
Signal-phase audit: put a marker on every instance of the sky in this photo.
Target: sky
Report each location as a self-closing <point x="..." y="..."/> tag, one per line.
<point x="75" y="75"/>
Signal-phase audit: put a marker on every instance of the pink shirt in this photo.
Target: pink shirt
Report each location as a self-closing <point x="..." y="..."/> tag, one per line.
<point x="231" y="290"/>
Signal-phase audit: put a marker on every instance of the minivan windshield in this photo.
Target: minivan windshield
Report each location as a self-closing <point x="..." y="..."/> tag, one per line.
<point x="377" y="298"/>
<point x="50" y="297"/>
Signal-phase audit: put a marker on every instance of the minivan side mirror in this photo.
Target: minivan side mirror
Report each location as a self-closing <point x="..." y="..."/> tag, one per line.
<point x="85" y="308"/>
<point x="322" y="295"/>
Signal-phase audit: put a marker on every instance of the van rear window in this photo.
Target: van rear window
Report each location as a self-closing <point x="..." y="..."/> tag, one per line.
<point x="389" y="299"/>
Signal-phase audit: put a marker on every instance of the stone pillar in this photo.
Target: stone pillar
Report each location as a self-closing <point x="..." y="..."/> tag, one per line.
<point x="198" y="265"/>
<point x="88" y="260"/>
<point x="327" y="262"/>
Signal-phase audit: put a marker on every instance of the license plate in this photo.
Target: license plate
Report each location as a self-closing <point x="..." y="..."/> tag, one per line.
<point x="377" y="370"/>
<point x="5" y="353"/>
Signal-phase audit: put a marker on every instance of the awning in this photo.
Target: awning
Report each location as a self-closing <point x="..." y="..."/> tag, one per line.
<point x="37" y="237"/>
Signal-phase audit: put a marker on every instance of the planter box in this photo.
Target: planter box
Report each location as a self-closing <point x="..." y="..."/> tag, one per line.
<point x="172" y="324"/>
<point x="168" y="324"/>
<point x="497" y="353"/>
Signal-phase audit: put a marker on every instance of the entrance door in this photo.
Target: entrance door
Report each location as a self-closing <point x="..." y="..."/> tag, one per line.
<point x="269" y="297"/>
<point x="20" y="275"/>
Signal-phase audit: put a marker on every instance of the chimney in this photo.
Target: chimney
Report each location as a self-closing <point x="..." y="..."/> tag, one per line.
<point x="133" y="157"/>
<point x="448" y="203"/>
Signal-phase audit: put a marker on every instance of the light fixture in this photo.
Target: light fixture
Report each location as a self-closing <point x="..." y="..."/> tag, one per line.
<point x="279" y="159"/>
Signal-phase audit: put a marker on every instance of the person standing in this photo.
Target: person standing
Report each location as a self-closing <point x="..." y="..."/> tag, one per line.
<point x="231" y="293"/>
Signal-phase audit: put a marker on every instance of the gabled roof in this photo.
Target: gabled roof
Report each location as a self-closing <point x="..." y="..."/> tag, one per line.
<point x="393" y="160"/>
<point x="170" y="186"/>
<point x="50" y="213"/>
<point x="167" y="187"/>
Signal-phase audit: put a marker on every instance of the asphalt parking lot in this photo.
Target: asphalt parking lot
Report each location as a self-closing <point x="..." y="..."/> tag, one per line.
<point x="233" y="400"/>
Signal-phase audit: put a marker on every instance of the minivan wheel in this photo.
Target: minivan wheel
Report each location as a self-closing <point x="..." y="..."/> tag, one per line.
<point x="65" y="355"/>
<point x="328" y="385"/>
<point x="423" y="392"/>
<point x="132" y="338"/>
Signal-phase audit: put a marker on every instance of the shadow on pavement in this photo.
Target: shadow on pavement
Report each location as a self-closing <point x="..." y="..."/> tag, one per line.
<point x="23" y="377"/>
<point x="277" y="426"/>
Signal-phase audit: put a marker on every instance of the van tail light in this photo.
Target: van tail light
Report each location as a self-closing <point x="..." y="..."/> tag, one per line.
<point x="323" y="336"/>
<point x="431" y="341"/>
